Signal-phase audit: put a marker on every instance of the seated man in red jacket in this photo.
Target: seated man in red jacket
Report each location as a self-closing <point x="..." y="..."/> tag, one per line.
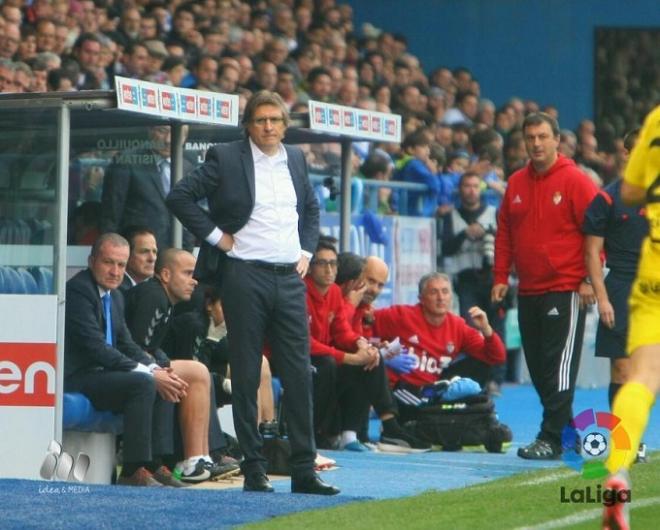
<point x="442" y="344"/>
<point x="348" y="369"/>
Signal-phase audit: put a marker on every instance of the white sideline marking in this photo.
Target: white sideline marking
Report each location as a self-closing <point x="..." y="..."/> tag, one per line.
<point x="547" y="478"/>
<point x="587" y="515"/>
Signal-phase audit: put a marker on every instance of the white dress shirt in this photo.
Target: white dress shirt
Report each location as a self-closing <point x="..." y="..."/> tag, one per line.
<point x="271" y="233"/>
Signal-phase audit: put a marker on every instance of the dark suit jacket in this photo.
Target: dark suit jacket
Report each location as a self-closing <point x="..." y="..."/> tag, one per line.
<point x="133" y="194"/>
<point x="84" y="334"/>
<point x="227" y="179"/>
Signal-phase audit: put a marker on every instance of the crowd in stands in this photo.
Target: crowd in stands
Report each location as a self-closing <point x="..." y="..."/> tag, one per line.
<point x="303" y="50"/>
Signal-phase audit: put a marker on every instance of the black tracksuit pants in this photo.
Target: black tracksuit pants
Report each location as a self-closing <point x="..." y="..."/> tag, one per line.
<point x="551" y="329"/>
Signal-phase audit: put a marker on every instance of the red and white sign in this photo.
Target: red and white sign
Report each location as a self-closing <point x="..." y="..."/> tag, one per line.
<point x="27" y="374"/>
<point x="174" y="102"/>
<point x="356" y="123"/>
<point x="29" y="382"/>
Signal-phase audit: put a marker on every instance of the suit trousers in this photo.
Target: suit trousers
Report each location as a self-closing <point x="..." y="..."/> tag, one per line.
<point x="551" y="330"/>
<point x="147" y="418"/>
<point x="264" y="306"/>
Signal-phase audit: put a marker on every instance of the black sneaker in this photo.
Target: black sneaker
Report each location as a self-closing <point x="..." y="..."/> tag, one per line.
<point x="220" y="470"/>
<point x="539" y="450"/>
<point x="642" y="457"/>
<point x="198" y="474"/>
<point x="400" y="441"/>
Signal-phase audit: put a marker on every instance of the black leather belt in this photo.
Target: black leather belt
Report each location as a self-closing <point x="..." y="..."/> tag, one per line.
<point x="277" y="268"/>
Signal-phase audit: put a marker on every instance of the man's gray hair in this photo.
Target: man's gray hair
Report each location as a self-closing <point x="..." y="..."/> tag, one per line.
<point x="109" y="237"/>
<point x="432" y="276"/>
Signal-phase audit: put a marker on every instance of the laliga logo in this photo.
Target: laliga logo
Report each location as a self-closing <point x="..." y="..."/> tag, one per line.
<point x="585" y="439"/>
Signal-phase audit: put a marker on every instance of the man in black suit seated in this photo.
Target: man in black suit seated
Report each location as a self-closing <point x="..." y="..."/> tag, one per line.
<point x="135" y="187"/>
<point x="149" y="308"/>
<point x="104" y="363"/>
<point x="142" y="259"/>
<point x="259" y="234"/>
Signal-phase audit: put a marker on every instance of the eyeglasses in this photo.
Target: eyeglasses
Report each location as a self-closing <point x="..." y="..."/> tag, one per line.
<point x="325" y="262"/>
<point x="276" y="120"/>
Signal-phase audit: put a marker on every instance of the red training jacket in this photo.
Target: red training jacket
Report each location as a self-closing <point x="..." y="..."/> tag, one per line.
<point x="539" y="228"/>
<point x="434" y="346"/>
<point x="330" y="331"/>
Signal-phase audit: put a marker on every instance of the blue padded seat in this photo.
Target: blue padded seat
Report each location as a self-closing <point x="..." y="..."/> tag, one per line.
<point x="80" y="415"/>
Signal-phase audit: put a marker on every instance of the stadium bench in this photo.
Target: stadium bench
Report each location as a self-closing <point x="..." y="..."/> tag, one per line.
<point x="89" y="431"/>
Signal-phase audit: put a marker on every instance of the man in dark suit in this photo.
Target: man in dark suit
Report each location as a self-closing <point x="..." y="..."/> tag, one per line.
<point x="142" y="259"/>
<point x="135" y="187"/>
<point x="104" y="363"/>
<point x="259" y="234"/>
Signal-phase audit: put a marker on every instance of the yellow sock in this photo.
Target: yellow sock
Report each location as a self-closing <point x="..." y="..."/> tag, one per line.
<point x="632" y="405"/>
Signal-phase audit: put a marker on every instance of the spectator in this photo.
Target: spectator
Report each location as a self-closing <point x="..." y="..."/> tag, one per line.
<point x="265" y="77"/>
<point x="149" y="28"/>
<point x="175" y="69"/>
<point x="228" y="78"/>
<point x="465" y="111"/>
<point x="286" y="86"/>
<point x="157" y="55"/>
<point x="23" y="77"/>
<point x="134" y="60"/>
<point x="378" y="166"/>
<point x="60" y="80"/>
<point x="89" y="19"/>
<point x="206" y="74"/>
<point x="7" y="70"/>
<point x="87" y="52"/>
<point x="10" y="41"/>
<point x="129" y="25"/>
<point x="416" y="166"/>
<point x="319" y="84"/>
<point x="45" y="35"/>
<point x="214" y="42"/>
<point x="27" y="47"/>
<point x="39" y="77"/>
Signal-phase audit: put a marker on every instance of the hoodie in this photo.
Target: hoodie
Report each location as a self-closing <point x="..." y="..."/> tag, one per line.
<point x="539" y="228"/>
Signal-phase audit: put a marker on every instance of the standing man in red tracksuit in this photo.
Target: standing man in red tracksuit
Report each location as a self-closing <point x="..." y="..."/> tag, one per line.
<point x="539" y="232"/>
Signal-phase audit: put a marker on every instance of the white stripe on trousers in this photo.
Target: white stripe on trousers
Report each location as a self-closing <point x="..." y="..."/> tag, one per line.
<point x="567" y="353"/>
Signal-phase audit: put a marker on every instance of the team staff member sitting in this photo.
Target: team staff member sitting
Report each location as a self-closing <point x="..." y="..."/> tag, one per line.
<point x="148" y="313"/>
<point x="142" y="259"/>
<point x="442" y="343"/>
<point x="102" y="361"/>
<point x="349" y="372"/>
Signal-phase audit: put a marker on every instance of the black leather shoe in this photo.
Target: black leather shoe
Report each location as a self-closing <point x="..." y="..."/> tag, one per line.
<point x="257" y="482"/>
<point x="313" y="485"/>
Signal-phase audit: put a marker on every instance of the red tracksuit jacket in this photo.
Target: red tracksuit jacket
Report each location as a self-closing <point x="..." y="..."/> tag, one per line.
<point x="329" y="329"/>
<point x="434" y="346"/>
<point x="539" y="228"/>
